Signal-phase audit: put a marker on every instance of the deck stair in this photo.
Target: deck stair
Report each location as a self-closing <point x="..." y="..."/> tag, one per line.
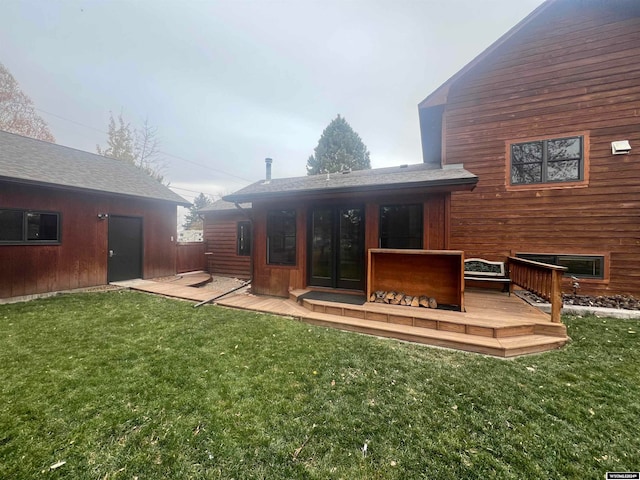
<point x="512" y="329"/>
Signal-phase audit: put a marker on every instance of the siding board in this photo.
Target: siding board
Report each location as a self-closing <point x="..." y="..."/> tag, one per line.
<point x="565" y="72"/>
<point x="80" y="260"/>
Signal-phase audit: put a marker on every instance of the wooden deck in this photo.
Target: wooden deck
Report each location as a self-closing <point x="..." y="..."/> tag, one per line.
<point x="493" y="323"/>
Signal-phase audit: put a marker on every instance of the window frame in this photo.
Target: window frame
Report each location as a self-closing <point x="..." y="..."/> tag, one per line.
<point x="286" y="255"/>
<point x="583" y="167"/>
<point x="26" y="236"/>
<point x="417" y="235"/>
<point x="244" y="238"/>
<point x="553" y="259"/>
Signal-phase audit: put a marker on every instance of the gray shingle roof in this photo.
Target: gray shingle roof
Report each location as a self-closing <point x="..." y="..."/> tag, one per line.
<point x="223" y="206"/>
<point x="32" y="161"/>
<point x="421" y="175"/>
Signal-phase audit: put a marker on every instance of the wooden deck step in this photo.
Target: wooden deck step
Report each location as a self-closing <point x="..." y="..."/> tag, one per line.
<point x="487" y="314"/>
<point x="422" y="318"/>
<point x="189" y="279"/>
<point x="500" y="347"/>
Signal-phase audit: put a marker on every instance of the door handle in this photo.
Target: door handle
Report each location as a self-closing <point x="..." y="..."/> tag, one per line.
<point x="111" y="253"/>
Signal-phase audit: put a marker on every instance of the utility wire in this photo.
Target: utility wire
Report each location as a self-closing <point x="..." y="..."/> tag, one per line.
<point x="163" y="153"/>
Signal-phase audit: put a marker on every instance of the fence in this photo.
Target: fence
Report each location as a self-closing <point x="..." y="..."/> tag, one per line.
<point x="190" y="257"/>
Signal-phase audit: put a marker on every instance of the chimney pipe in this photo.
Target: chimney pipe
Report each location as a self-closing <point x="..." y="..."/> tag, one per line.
<point x="267" y="162"/>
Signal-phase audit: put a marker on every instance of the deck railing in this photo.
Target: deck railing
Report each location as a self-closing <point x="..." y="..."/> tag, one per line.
<point x="540" y="278"/>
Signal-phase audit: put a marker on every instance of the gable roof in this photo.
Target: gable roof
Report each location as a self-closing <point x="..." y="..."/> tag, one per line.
<point x="35" y="162"/>
<point x="421" y="175"/>
<point x="439" y="96"/>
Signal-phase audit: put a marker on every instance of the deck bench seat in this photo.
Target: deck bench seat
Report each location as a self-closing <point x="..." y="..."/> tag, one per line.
<point x="481" y="270"/>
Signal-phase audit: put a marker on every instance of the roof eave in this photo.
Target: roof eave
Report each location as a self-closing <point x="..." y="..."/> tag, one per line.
<point x="467" y="183"/>
<point x="58" y="186"/>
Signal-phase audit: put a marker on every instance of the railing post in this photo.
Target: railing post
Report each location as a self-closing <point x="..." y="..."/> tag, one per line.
<point x="556" y="296"/>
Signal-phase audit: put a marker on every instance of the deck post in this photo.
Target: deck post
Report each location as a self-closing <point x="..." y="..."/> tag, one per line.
<point x="556" y="296"/>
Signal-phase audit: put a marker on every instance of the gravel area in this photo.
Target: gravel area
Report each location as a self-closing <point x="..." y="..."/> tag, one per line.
<point x="620" y="302"/>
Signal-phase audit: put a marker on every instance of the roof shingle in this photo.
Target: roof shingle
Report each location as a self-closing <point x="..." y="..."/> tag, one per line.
<point x="27" y="160"/>
<point x="405" y="176"/>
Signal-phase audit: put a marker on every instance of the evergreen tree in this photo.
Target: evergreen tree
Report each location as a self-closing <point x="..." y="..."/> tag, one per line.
<point x="339" y="148"/>
<point x="17" y="112"/>
<point x="193" y="220"/>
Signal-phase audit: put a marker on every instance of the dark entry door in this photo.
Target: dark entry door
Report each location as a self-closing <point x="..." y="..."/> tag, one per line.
<point x="125" y="248"/>
<point x="336" y="247"/>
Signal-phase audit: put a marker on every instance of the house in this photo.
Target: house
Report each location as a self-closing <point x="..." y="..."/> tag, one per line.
<point x="72" y="219"/>
<point x="227" y="235"/>
<point x="315" y="231"/>
<point x="548" y="119"/>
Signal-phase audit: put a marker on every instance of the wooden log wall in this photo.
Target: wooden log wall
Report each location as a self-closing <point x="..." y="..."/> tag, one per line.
<point x="570" y="71"/>
<point x="221" y="240"/>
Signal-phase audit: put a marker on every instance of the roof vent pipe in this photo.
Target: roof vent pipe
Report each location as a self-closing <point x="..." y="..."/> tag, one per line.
<point x="268" y="162"/>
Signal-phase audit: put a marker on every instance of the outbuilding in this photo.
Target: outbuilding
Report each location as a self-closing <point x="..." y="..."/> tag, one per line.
<point x="71" y="219"/>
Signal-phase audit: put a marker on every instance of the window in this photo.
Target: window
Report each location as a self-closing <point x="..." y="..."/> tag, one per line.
<point x="244" y="238"/>
<point x="547" y="161"/>
<point x="580" y="266"/>
<point x="23" y="226"/>
<point x="281" y="237"/>
<point x="401" y="226"/>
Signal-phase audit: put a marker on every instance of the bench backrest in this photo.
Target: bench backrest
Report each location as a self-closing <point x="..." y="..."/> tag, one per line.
<point x="479" y="267"/>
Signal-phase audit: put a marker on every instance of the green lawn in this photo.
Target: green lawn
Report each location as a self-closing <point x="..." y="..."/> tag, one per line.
<point x="127" y="385"/>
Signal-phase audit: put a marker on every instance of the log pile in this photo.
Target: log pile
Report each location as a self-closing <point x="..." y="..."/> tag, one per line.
<point x="399" y="298"/>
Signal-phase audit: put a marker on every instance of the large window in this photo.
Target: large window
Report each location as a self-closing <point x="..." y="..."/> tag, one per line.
<point x="401" y="226"/>
<point x="580" y="266"/>
<point x="23" y="226"/>
<point x="547" y="161"/>
<point x="281" y="237"/>
<point x="244" y="238"/>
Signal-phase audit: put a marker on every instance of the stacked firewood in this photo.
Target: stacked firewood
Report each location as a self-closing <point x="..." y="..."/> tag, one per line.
<point x="399" y="298"/>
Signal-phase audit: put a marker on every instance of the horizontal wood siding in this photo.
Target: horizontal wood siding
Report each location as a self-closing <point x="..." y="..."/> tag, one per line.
<point x="81" y="258"/>
<point x="220" y="238"/>
<point x="566" y="72"/>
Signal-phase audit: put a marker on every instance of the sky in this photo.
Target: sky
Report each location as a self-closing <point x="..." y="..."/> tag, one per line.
<point x="230" y="82"/>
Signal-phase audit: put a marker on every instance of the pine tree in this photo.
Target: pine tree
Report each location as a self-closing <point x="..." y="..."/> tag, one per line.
<point x="193" y="220"/>
<point x="339" y="148"/>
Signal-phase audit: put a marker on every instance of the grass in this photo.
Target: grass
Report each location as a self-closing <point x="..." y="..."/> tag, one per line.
<point x="126" y="385"/>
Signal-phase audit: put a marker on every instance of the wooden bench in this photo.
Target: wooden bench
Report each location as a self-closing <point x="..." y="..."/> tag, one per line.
<point x="481" y="270"/>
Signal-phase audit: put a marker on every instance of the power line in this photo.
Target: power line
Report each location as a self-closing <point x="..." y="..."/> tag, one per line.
<point x="163" y="153"/>
<point x="195" y="191"/>
<point x="205" y="167"/>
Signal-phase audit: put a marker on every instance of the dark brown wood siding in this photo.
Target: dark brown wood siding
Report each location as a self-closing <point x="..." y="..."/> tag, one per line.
<point x="277" y="280"/>
<point x="569" y="71"/>
<point x="80" y="260"/>
<point x="221" y="240"/>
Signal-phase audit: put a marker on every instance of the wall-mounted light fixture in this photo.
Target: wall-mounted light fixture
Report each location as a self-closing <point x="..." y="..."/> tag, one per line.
<point x="621" y="147"/>
<point x="103" y="216"/>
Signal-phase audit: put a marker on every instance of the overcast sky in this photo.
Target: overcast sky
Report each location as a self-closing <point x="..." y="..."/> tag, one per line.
<point x="230" y="82"/>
